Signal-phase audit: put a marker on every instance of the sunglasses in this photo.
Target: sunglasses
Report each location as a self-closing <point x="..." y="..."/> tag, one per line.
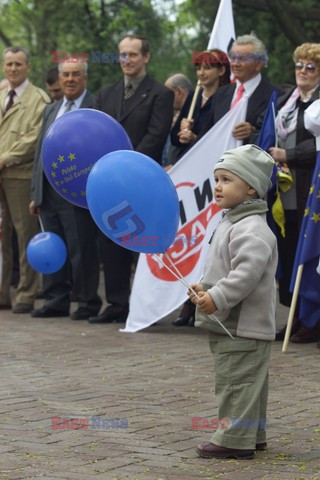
<point x="310" y="67"/>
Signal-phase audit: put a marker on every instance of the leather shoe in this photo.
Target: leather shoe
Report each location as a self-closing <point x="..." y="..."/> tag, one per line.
<point x="183" y="321"/>
<point x="261" y="446"/>
<point x="210" y="450"/>
<point x="295" y="327"/>
<point x="81" y="313"/>
<point x="22" y="308"/>
<point x="187" y="315"/>
<point x="306" y="335"/>
<point x="110" y="315"/>
<point x="47" y="312"/>
<point x="5" y="306"/>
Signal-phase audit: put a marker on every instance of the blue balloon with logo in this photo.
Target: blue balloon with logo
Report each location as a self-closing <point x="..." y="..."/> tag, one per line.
<point x="46" y="252"/>
<point x="133" y="201"/>
<point x="72" y="145"/>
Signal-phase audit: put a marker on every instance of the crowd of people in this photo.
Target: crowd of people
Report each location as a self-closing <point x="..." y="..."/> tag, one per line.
<point x="163" y="122"/>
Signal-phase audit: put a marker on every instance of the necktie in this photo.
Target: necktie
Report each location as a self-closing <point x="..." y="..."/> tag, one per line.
<point x="69" y="105"/>
<point x="240" y="91"/>
<point x="128" y="91"/>
<point x="12" y="94"/>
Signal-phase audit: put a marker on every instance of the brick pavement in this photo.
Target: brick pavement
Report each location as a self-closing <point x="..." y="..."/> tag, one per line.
<point x="157" y="379"/>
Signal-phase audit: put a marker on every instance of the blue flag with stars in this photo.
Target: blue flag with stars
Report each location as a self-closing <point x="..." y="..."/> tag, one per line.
<point x="308" y="252"/>
<point x="267" y="137"/>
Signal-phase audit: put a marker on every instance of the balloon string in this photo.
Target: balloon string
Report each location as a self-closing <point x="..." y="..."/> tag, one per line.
<point x="41" y="224"/>
<point x="190" y="288"/>
<point x="180" y="278"/>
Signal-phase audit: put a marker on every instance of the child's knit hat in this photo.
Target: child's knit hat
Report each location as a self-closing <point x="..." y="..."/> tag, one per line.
<point x="251" y="164"/>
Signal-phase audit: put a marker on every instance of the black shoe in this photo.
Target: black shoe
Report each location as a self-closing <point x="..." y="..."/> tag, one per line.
<point x="110" y="315"/>
<point x="47" y="312"/>
<point x="81" y="313"/>
<point x="182" y="321"/>
<point x="5" y="306"/>
<point x="187" y="315"/>
<point x="295" y="327"/>
<point x="22" y="308"/>
<point x="261" y="446"/>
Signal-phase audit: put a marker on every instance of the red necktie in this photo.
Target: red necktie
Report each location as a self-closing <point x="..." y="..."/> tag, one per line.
<point x="240" y="91"/>
<point x="12" y="94"/>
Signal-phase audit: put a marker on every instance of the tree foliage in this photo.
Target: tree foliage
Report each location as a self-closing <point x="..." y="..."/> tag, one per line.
<point x="173" y="28"/>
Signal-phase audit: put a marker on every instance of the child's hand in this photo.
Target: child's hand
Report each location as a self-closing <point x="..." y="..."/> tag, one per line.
<point x="197" y="287"/>
<point x="206" y="304"/>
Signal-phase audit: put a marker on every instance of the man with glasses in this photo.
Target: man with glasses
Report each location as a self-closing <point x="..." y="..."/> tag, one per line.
<point x="248" y="57"/>
<point x="144" y="108"/>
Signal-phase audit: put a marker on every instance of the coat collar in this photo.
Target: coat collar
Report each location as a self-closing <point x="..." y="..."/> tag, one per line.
<point x="21" y="102"/>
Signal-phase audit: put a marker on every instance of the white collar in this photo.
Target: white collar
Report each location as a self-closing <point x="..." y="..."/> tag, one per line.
<point x="20" y="89"/>
<point x="250" y="85"/>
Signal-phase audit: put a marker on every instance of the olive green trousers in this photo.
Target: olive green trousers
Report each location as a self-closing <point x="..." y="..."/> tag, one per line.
<point x="241" y="390"/>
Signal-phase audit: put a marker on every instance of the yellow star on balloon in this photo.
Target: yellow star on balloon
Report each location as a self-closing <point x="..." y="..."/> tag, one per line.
<point x="315" y="217"/>
<point x="318" y="196"/>
<point x="57" y="183"/>
<point x="82" y="193"/>
<point x="65" y="190"/>
<point x="61" y="158"/>
<point x="72" y="156"/>
<point x="54" y="165"/>
<point x="53" y="174"/>
<point x="311" y="189"/>
<point x="306" y="211"/>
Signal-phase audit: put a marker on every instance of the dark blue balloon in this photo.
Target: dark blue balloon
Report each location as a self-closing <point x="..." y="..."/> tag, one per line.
<point x="46" y="252"/>
<point x="133" y="201"/>
<point x="72" y="145"/>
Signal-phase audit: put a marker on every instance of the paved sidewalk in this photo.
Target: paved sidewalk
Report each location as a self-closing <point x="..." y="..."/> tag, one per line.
<point x="157" y="379"/>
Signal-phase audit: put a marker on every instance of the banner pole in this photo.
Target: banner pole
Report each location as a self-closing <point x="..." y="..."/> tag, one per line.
<point x="292" y="308"/>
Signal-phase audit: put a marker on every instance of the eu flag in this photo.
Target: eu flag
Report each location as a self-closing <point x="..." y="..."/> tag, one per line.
<point x="267" y="137"/>
<point x="308" y="252"/>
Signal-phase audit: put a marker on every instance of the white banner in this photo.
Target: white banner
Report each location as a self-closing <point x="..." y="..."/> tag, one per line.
<point x="223" y="32"/>
<point x="156" y="292"/>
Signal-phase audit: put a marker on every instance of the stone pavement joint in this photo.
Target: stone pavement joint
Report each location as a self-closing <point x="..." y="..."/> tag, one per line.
<point x="157" y="379"/>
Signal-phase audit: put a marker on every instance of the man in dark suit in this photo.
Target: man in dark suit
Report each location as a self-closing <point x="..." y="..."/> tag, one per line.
<point x="248" y="57"/>
<point x="144" y="108"/>
<point x="72" y="223"/>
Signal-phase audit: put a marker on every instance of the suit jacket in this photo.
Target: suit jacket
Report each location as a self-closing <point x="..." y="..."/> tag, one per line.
<point x="257" y="103"/>
<point x="49" y="117"/>
<point x="146" y="115"/>
<point x="19" y="130"/>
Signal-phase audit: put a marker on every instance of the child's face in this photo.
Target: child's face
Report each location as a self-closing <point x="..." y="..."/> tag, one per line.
<point x="230" y="190"/>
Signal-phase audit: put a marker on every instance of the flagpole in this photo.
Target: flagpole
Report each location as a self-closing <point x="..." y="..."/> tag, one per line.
<point x="292" y="308"/>
<point x="194" y="101"/>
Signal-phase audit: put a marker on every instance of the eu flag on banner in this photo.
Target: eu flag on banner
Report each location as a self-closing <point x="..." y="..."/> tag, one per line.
<point x="308" y="252"/>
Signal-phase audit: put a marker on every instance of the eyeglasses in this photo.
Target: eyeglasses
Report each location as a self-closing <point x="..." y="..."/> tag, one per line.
<point x="310" y="67"/>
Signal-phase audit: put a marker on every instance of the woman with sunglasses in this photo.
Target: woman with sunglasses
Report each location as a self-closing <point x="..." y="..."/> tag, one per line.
<point x="297" y="148"/>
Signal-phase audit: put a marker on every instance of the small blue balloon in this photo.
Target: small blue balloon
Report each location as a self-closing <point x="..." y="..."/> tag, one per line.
<point x="72" y="145"/>
<point x="46" y="252"/>
<point x="133" y="201"/>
